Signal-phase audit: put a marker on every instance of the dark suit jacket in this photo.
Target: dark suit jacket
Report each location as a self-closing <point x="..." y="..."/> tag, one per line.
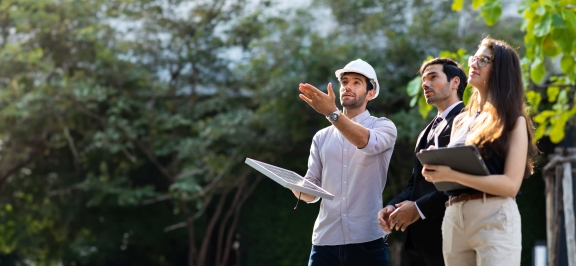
<point x="426" y="235"/>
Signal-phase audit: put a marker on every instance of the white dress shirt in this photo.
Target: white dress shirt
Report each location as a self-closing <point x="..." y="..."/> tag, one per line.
<point x="355" y="176"/>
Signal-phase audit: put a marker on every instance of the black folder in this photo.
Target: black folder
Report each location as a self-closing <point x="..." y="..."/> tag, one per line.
<point x="465" y="159"/>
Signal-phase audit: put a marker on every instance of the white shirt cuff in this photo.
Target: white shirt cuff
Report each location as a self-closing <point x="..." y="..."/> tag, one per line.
<point x="314" y="201"/>
<point x="419" y="212"/>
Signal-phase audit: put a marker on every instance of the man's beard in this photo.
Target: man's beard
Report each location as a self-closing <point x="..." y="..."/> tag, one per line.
<point x="438" y="96"/>
<point x="355" y="103"/>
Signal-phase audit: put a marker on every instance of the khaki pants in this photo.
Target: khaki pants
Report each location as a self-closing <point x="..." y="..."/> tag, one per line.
<point x="483" y="232"/>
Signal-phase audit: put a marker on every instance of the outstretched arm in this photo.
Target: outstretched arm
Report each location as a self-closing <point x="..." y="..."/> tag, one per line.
<point x="325" y="104"/>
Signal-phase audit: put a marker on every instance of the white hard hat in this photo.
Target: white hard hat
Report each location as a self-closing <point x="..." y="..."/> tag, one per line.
<point x="361" y="67"/>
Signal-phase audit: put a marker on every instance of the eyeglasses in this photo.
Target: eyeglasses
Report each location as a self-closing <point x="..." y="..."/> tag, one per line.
<point x="481" y="60"/>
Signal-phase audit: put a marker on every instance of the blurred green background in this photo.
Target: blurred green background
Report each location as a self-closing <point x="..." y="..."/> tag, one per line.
<point x="124" y="124"/>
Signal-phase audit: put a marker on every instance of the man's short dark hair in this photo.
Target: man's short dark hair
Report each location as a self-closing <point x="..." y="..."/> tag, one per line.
<point x="452" y="69"/>
<point x="369" y="85"/>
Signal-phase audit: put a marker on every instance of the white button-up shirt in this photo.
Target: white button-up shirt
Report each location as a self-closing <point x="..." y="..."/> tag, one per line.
<point x="356" y="178"/>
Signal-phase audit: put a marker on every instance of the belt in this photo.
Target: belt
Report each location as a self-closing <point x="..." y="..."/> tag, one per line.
<point x="466" y="197"/>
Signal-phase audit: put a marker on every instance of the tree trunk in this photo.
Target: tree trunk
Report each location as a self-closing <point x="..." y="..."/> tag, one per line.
<point x="192" y="252"/>
<point x="202" y="256"/>
<point x="220" y="246"/>
<point x="550" y="240"/>
<point x="396" y="253"/>
<point x="232" y="230"/>
<point x="557" y="212"/>
<point x="568" y="200"/>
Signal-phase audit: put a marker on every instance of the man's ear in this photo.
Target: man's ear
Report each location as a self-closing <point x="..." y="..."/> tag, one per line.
<point x="371" y="94"/>
<point x="455" y="82"/>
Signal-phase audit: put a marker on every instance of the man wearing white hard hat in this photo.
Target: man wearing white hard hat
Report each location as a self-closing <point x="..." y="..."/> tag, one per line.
<point x="349" y="159"/>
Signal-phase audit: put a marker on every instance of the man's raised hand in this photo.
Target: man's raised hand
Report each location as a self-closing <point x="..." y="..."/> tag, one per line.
<point x="321" y="102"/>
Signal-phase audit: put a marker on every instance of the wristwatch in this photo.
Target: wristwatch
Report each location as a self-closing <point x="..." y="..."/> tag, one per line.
<point x="333" y="117"/>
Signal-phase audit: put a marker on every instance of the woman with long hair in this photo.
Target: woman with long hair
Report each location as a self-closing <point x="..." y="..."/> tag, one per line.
<point x="482" y="222"/>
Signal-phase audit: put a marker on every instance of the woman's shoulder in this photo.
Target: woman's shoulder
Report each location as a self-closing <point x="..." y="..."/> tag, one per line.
<point x="520" y="123"/>
<point x="521" y="120"/>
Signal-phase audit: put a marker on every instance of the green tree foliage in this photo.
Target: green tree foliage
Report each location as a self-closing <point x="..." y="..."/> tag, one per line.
<point x="124" y="126"/>
<point x="549" y="39"/>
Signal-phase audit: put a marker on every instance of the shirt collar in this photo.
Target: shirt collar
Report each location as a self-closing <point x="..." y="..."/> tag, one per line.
<point x="359" y="118"/>
<point x="448" y="110"/>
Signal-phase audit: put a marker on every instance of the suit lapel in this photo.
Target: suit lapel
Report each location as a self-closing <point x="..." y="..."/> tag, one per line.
<point x="444" y="125"/>
<point x="455" y="111"/>
<point x="422" y="137"/>
<point x="440" y="128"/>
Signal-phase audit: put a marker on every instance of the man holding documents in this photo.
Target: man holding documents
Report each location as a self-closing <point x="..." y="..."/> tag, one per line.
<point x="349" y="159"/>
<point x="419" y="209"/>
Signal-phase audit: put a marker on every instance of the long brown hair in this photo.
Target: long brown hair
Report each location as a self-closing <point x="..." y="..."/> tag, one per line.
<point x="504" y="104"/>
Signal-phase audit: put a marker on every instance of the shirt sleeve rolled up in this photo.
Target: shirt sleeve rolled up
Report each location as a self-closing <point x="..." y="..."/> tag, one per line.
<point x="382" y="137"/>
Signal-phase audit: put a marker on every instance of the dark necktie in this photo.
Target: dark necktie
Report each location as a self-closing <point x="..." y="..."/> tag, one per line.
<point x="437" y="122"/>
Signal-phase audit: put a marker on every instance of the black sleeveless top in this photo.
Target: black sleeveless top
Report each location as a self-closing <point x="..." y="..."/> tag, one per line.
<point x="494" y="162"/>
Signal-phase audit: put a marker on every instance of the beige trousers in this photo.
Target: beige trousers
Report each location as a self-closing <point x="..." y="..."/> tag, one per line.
<point x="483" y="232"/>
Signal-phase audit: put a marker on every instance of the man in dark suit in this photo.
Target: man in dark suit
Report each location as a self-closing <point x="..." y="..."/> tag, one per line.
<point x="419" y="209"/>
